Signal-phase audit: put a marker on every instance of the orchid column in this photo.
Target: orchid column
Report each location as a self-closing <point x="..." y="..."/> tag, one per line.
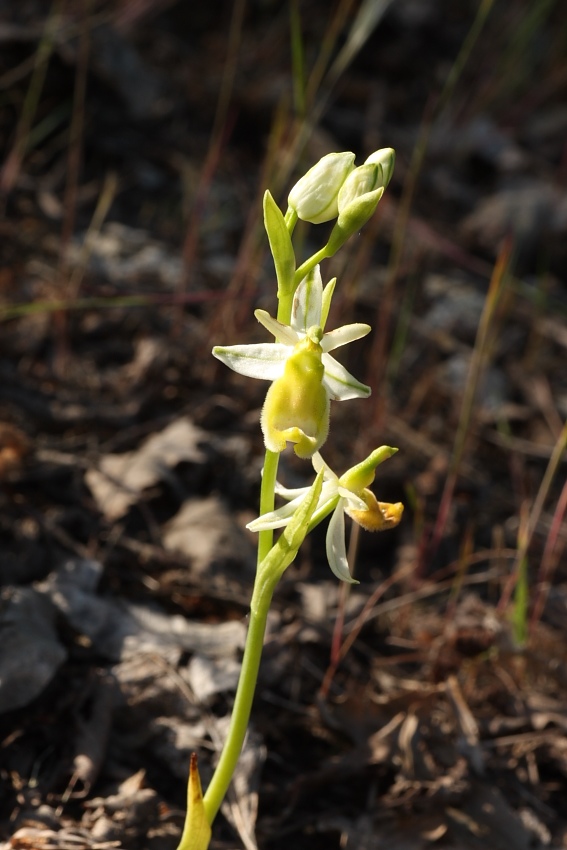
<point x="304" y="380"/>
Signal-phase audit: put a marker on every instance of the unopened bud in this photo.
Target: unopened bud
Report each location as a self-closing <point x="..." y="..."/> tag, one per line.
<point x="315" y="196"/>
<point x="360" y="182"/>
<point x="352" y="218"/>
<point x="385" y="158"/>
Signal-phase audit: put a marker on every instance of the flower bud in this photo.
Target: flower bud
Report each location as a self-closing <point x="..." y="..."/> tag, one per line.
<point x="314" y="197"/>
<point x="385" y="158"/>
<point x="352" y="218"/>
<point x="359" y="196"/>
<point x="357" y="201"/>
<point x="360" y="182"/>
<point x="297" y="404"/>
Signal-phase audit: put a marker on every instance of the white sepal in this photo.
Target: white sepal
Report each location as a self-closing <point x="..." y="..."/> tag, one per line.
<point x="340" y="384"/>
<point x="282" y="333"/>
<point x="342" y="336"/>
<point x="336" y="549"/>
<point x="264" y="361"/>
<point x="307" y="302"/>
<point x="278" y="518"/>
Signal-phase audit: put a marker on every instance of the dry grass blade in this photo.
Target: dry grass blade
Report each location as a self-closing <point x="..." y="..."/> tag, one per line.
<point x="367" y="19"/>
<point x="479" y="361"/>
<point x="379" y="356"/>
<point x="534" y="516"/>
<point x="550" y="557"/>
<point x="11" y="168"/>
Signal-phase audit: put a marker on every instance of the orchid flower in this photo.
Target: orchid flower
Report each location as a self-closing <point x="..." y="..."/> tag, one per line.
<point x="348" y="494"/>
<point x="305" y="377"/>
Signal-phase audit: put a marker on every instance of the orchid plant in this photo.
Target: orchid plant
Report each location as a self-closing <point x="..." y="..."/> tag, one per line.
<point x="304" y="379"/>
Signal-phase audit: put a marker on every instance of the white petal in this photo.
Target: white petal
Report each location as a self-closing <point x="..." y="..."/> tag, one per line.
<point x="336" y="550"/>
<point x="344" y="335"/>
<point x="319" y="464"/>
<point x="328" y="493"/>
<point x="339" y="383"/>
<point x="290" y="493"/>
<point x="265" y="361"/>
<point x="276" y="519"/>
<point x="307" y="302"/>
<point x="283" y="333"/>
<point x="354" y="501"/>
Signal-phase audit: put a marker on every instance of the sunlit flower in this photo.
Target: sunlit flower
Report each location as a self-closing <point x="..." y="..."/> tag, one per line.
<point x="305" y="377"/>
<point x="348" y="494"/>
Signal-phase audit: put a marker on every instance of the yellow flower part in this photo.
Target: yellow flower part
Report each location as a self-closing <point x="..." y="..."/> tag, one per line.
<point x="362" y="475"/>
<point x="378" y="516"/>
<point x="296" y="409"/>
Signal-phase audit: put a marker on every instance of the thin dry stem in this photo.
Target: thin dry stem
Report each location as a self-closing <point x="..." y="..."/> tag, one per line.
<point x="479" y="361"/>
<point x="534" y="516"/>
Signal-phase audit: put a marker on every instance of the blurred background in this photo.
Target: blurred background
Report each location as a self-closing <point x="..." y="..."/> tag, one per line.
<point x="427" y="705"/>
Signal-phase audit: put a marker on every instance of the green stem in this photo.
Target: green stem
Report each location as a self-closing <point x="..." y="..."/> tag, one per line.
<point x="290" y="220"/>
<point x="284" y="308"/>
<point x="270" y="471"/>
<point x="308" y="265"/>
<point x="267" y="491"/>
<point x="286" y="302"/>
<point x="259" y="607"/>
<point x="261" y="597"/>
<point x="285" y="299"/>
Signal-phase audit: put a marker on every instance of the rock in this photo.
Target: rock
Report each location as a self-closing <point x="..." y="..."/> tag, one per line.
<point x="492" y="391"/>
<point x="30" y="651"/>
<point x="119" y="630"/>
<point x="529" y="212"/>
<point x="121" y="478"/>
<point x="207" y="534"/>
